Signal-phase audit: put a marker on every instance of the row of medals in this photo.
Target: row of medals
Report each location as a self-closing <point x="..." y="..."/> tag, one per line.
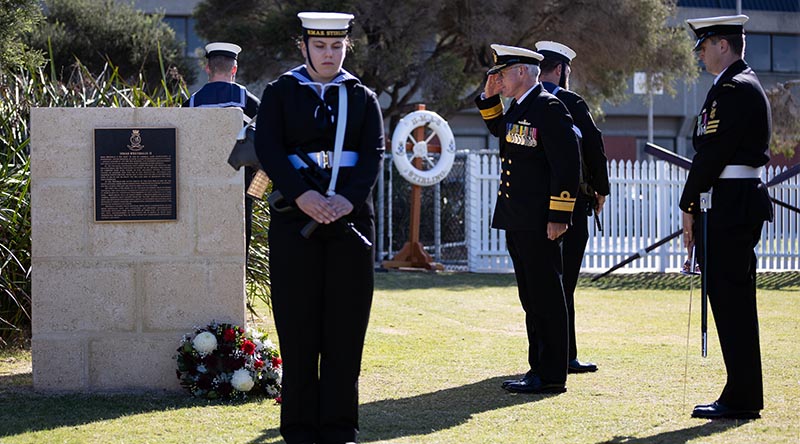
<point x="521" y="135"/>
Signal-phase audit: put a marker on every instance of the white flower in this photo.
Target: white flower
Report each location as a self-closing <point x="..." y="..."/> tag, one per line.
<point x="201" y="368"/>
<point x="205" y="343"/>
<point x="271" y="391"/>
<point x="268" y="344"/>
<point x="242" y="380"/>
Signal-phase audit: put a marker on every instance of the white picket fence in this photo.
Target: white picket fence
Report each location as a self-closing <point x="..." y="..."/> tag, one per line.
<point x="641" y="210"/>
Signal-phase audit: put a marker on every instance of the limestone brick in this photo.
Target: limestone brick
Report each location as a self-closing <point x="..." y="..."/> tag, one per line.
<point x="59" y="363"/>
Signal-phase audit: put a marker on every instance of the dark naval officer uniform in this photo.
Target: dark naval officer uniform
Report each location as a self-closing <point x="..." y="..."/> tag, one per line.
<point x="733" y="130"/>
<point x="594" y="179"/>
<point x="538" y="184"/>
<point x="322" y="286"/>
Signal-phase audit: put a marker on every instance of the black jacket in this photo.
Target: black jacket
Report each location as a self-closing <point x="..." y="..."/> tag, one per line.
<point x="540" y="160"/>
<point x="733" y="128"/>
<point x="593" y="153"/>
<point x="293" y="115"/>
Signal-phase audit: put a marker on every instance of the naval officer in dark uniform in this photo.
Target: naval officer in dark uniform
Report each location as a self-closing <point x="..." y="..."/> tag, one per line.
<point x="222" y="91"/>
<point x="322" y="285"/>
<point x="731" y="140"/>
<point x="594" y="186"/>
<point x="538" y="184"/>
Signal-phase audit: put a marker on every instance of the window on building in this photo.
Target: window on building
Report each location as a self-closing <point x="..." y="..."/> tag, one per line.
<point x="758" y="52"/>
<point x="184" y="28"/>
<point x="786" y="53"/>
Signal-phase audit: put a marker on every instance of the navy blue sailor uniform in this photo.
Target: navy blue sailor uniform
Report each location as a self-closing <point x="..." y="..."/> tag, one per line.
<point x="538" y="184"/>
<point x="230" y="95"/>
<point x="321" y="286"/>
<point x="594" y="179"/>
<point x="731" y="141"/>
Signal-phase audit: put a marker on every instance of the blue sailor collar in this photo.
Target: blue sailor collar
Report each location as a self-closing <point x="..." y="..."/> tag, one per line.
<point x="300" y="73"/>
<point x="551" y="87"/>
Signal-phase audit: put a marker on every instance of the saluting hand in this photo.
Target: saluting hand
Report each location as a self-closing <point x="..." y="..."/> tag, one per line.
<point x="493" y="86"/>
<point x="316" y="206"/>
<point x="555" y="230"/>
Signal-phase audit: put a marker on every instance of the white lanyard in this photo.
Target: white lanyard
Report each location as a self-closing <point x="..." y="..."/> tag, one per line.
<point x="341" y="123"/>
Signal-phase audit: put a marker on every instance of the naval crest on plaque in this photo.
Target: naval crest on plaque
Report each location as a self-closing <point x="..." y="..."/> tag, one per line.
<point x="136" y="141"/>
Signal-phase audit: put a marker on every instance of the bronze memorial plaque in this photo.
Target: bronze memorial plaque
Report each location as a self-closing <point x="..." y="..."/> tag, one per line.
<point x="134" y="174"/>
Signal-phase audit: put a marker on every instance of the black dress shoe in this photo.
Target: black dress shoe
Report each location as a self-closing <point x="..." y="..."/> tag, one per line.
<point x="534" y="384"/>
<point x="715" y="410"/>
<point x="576" y="366"/>
<point x="526" y="378"/>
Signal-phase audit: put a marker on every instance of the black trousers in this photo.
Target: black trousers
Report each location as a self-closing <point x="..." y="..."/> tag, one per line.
<point x="321" y="297"/>
<point x="732" y="296"/>
<point x="538" y="268"/>
<point x="574" y="245"/>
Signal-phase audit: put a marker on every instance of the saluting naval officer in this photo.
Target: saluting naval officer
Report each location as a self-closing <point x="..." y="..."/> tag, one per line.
<point x="222" y="91"/>
<point x="539" y="180"/>
<point x="594" y="187"/>
<point x="321" y="285"/>
<point x="731" y="140"/>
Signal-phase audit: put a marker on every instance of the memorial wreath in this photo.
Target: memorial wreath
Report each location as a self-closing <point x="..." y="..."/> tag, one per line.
<point x="224" y="361"/>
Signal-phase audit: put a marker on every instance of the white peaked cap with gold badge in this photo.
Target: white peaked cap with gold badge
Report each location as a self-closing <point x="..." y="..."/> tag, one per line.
<point x="223" y="49"/>
<point x="555" y="50"/>
<point x="325" y="24"/>
<point x="711" y="26"/>
<point x="511" y="55"/>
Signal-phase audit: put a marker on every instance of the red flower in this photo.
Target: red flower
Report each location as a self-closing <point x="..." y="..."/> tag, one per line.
<point x="248" y="347"/>
<point x="277" y="361"/>
<point x="278" y="400"/>
<point x="258" y="364"/>
<point x="229" y="335"/>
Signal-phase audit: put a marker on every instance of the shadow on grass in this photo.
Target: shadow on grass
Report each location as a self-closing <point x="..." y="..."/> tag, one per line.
<point x="420" y="280"/>
<point x="31" y="411"/>
<point x="417" y="280"/>
<point x="679" y="436"/>
<point x="427" y="413"/>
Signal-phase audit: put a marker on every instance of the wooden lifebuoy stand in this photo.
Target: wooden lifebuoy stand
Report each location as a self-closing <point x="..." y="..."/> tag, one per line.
<point x="413" y="254"/>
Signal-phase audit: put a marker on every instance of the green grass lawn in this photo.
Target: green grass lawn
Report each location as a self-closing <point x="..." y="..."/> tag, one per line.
<point x="437" y="349"/>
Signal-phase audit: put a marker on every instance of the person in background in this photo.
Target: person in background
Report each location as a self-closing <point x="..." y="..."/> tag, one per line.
<point x="731" y="140"/>
<point x="594" y="186"/>
<point x="322" y="284"/>
<point x="222" y="91"/>
<point x="540" y="162"/>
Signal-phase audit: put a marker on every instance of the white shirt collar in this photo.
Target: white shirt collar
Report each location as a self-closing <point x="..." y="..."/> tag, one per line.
<point x="527" y="92"/>
<point x="716" y="79"/>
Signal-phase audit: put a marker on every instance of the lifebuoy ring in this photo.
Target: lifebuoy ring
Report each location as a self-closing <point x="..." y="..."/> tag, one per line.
<point x="431" y="172"/>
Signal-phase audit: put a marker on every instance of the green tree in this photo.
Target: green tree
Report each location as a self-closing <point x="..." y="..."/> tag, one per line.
<point x="16" y="18"/>
<point x="97" y="32"/>
<point x="438" y="51"/>
<point x="784" y="99"/>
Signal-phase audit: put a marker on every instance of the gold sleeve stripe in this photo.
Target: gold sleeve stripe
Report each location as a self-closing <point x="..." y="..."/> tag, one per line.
<point x="711" y="131"/>
<point x="562" y="206"/>
<point x="713" y="122"/>
<point x="493" y="112"/>
<point x="562" y="199"/>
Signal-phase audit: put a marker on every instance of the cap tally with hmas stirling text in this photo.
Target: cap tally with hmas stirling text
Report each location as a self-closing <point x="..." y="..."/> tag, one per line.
<point x="325" y="24"/>
<point x="222" y="49"/>
<point x="510" y="55"/>
<point x="711" y="26"/>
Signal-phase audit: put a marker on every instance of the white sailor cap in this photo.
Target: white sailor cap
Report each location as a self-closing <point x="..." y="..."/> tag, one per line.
<point x="325" y="24"/>
<point x="510" y="55"/>
<point x="710" y="26"/>
<point x="223" y="49"/>
<point x="555" y="50"/>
